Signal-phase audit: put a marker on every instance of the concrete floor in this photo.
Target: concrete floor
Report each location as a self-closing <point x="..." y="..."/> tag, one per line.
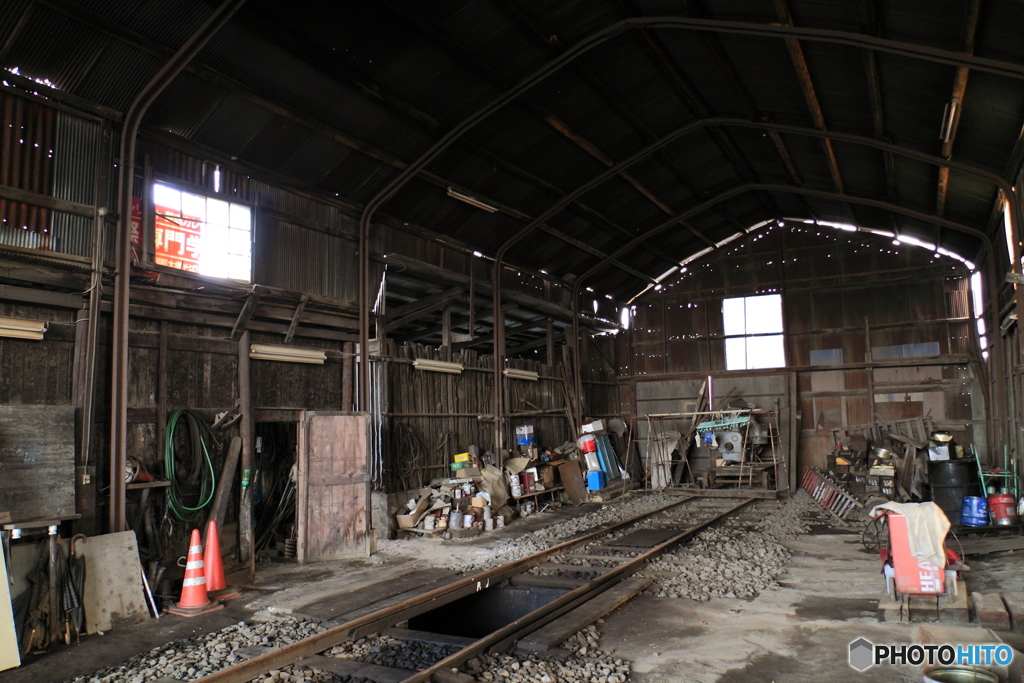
<point x="797" y="633"/>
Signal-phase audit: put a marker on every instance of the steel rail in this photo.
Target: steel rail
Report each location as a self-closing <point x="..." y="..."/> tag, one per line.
<point x="289" y="654"/>
<point x="546" y="613"/>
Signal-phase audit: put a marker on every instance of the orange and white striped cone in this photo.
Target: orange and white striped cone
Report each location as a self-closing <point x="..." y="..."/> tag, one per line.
<point x="194" y="600"/>
<point x="213" y="565"/>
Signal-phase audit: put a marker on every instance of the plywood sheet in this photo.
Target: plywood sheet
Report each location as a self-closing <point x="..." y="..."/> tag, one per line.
<point x="37" y="462"/>
<point x="113" y="582"/>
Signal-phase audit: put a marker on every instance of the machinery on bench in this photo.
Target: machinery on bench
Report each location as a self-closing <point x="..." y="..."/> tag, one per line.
<point x="744" y="451"/>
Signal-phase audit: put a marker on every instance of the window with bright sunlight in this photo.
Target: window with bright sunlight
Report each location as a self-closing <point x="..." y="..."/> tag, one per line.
<point x="202" y="235"/>
<point x="753" y="332"/>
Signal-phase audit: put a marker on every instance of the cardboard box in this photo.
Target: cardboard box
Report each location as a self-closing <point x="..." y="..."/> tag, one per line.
<point x="593" y="426"/>
<point x="462" y="457"/>
<point x="413" y="518"/>
<point x="547" y="476"/>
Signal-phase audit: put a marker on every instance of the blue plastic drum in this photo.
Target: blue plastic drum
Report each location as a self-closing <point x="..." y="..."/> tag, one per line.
<point x="974" y="511"/>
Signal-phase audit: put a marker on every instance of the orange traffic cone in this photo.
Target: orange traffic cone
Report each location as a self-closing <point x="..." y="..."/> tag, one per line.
<point x="213" y="565"/>
<point x="194" y="600"/>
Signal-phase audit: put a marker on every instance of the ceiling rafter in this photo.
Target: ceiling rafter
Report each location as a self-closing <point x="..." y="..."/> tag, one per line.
<point x="410" y="112"/>
<point x="692" y="99"/>
<point x="803" y="75"/>
<point x="470" y="60"/>
<point x="874" y="28"/>
<point x="956" y="102"/>
<point x="555" y="45"/>
<point x="287" y="112"/>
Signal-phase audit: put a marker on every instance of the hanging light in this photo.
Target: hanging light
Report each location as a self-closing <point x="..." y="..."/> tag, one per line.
<point x="437" y="366"/>
<point x="17" y="328"/>
<point x="528" y="375"/>
<point x="470" y="199"/>
<point x="287" y="354"/>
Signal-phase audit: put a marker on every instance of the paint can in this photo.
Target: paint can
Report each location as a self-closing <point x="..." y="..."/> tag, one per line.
<point x="499" y="521"/>
<point x="455" y="519"/>
<point x="1004" y="511"/>
<point x="974" y="512"/>
<point x="488" y="525"/>
<point x="442" y="522"/>
<point x="429" y="523"/>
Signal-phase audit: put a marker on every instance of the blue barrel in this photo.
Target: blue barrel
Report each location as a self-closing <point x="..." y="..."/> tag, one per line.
<point x="974" y="511"/>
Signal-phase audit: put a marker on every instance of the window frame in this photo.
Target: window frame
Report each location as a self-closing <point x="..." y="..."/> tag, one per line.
<point x="148" y="227"/>
<point x="727" y="337"/>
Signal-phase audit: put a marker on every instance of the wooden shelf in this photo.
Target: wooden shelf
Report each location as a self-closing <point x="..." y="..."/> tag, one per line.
<point x="147" y="485"/>
<point x="537" y="493"/>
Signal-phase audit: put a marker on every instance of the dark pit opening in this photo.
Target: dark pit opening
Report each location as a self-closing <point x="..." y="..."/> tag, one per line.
<point x="477" y="615"/>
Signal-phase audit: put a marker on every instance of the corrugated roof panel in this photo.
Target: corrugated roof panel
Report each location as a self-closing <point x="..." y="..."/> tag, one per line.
<point x="118" y="76"/>
<point x="51" y="46"/>
<point x="232" y="125"/>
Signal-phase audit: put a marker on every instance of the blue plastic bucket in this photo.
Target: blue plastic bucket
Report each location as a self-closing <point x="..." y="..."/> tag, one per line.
<point x="974" y="511"/>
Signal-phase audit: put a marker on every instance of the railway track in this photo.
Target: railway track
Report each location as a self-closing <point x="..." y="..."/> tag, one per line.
<point x="577" y="571"/>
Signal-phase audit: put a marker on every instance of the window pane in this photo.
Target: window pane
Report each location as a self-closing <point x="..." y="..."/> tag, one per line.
<point x="217" y="212"/>
<point x="213" y="237"/>
<point x="239" y="242"/>
<point x="765" y="352"/>
<point x="733" y="316"/>
<point x="240" y="217"/>
<point x="239" y="268"/>
<point x="736" y="353"/>
<point x="167" y="200"/>
<point x="193" y="206"/>
<point x="764" y="314"/>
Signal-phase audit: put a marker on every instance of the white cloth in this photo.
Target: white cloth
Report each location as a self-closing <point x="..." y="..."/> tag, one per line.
<point x="927" y="526"/>
<point x="659" y="458"/>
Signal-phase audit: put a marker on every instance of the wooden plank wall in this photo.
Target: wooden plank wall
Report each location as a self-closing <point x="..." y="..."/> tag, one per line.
<point x="431" y="416"/>
<point x="843" y="292"/>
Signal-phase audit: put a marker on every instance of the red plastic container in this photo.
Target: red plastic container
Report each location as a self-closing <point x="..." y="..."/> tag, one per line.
<point x="588" y="444"/>
<point x="1003" y="508"/>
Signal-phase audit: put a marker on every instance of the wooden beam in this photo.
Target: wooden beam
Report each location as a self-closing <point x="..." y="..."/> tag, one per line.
<point x="487" y="338"/>
<point x="431" y="273"/>
<point x="803" y="74"/>
<point x="467" y="320"/>
<point x="394" y="325"/>
<point x="956" y="102"/>
<point x="413" y="306"/>
<point x="246" y="313"/>
<point x="538" y="343"/>
<point x="295" y="319"/>
<point x="15" y="194"/>
<point x="41" y="296"/>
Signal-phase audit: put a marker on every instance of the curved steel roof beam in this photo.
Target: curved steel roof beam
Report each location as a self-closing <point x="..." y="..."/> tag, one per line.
<point x="1006" y="69"/>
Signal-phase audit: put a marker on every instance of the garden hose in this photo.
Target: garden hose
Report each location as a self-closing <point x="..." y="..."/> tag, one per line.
<point x="201" y="470"/>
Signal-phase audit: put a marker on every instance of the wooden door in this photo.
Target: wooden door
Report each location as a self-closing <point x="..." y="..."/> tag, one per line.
<point x="333" y="486"/>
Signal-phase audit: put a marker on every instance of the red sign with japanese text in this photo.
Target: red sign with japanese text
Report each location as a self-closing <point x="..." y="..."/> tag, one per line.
<point x="177" y="240"/>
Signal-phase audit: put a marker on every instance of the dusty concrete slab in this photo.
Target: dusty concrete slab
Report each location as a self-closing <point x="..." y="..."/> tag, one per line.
<point x="799" y="633"/>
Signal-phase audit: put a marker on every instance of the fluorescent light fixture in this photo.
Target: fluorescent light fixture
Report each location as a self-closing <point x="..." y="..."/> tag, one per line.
<point x="528" y="375"/>
<point x="17" y="328"/>
<point x="437" y="366"/>
<point x="287" y="354"/>
<point x="471" y="200"/>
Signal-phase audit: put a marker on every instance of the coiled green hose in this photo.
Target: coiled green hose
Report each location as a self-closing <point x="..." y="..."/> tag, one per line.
<point x="201" y="433"/>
